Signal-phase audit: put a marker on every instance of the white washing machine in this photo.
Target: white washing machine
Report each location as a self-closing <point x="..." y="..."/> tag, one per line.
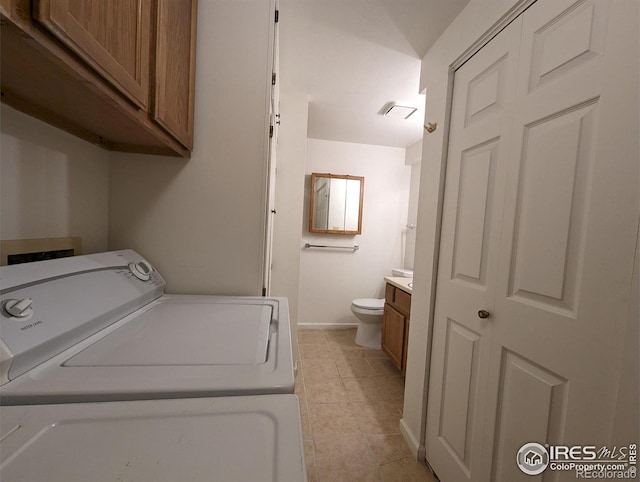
<point x="105" y="378"/>
<point x="98" y="328"/>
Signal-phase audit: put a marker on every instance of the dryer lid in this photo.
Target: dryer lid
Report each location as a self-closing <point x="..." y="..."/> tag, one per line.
<point x="223" y="438"/>
<point x="369" y="303"/>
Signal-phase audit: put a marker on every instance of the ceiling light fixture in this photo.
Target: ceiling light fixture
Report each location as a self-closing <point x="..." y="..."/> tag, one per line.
<point x="400" y="111"/>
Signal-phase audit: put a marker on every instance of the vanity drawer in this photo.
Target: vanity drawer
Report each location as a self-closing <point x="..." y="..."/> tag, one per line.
<point x="403" y="301"/>
<point x="389" y="293"/>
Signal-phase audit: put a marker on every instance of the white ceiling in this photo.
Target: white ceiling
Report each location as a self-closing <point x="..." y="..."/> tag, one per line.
<point x="354" y="57"/>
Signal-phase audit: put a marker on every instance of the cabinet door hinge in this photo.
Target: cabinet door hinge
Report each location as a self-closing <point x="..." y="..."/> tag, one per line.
<point x="270" y="131"/>
<point x="273" y="78"/>
<point x="277" y="17"/>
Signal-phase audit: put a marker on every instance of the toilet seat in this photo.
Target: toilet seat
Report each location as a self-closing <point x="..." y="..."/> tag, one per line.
<point x="372" y="304"/>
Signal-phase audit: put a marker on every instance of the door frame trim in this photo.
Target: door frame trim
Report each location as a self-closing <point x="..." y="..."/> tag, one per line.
<point x="513" y="13"/>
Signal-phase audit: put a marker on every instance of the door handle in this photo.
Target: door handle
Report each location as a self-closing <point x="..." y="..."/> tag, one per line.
<point x="484" y="314"/>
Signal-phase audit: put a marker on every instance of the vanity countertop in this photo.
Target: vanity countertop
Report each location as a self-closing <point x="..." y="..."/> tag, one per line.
<point x="400" y="282"/>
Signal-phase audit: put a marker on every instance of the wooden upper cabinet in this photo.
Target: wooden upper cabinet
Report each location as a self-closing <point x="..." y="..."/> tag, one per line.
<point x="117" y="73"/>
<point x="113" y="37"/>
<point x="174" y="75"/>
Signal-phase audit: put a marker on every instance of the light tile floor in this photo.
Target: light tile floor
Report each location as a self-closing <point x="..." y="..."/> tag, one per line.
<point x="351" y="402"/>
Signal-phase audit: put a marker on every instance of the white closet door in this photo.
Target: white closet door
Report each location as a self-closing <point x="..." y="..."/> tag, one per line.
<point x="274" y="123"/>
<point x="483" y="96"/>
<point x="544" y="367"/>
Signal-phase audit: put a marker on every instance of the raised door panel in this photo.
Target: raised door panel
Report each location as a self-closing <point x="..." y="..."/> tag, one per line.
<point x="550" y="208"/>
<point x="174" y="75"/>
<point x="456" y="410"/>
<point x="475" y="201"/>
<point x="525" y="388"/>
<point x="112" y="37"/>
<point x="393" y="325"/>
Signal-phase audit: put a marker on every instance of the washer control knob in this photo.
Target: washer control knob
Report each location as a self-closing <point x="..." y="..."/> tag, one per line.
<point x="19" y="308"/>
<point x="141" y="270"/>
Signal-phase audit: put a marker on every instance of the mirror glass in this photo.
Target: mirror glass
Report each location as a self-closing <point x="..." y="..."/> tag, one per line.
<point x="336" y="204"/>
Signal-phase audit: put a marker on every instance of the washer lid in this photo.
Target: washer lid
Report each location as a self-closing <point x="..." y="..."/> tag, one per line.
<point x="227" y="439"/>
<point x="174" y="333"/>
<point x="369" y="303"/>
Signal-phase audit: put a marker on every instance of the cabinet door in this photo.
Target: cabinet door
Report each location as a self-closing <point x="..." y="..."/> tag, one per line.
<point x="405" y="348"/>
<point x="174" y="76"/>
<point x="112" y="37"/>
<point x="393" y="325"/>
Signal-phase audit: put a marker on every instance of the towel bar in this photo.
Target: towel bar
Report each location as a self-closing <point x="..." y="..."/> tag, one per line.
<point x="355" y="247"/>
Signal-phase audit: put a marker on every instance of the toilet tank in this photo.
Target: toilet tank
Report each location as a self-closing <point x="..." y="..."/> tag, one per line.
<point x="402" y="272"/>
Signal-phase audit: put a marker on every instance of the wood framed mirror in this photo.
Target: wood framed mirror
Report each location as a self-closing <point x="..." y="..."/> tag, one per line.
<point x="335" y="205"/>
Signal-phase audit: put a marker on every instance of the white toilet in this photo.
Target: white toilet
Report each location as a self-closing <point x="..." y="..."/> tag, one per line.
<point x="370" y="312"/>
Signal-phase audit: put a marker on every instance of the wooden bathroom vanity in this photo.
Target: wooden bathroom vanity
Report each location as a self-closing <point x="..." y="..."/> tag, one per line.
<point x="395" y="324"/>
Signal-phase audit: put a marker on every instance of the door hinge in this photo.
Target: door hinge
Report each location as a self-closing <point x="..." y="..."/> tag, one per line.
<point x="270" y="131"/>
<point x="273" y="78"/>
<point x="264" y="291"/>
<point x="277" y="16"/>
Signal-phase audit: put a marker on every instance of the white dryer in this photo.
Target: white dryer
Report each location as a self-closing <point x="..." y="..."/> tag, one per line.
<point x="99" y="328"/>
<point x="225" y="439"/>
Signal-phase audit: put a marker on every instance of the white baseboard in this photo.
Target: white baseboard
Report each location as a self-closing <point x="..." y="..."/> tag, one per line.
<point x="417" y="450"/>
<point x="326" y="326"/>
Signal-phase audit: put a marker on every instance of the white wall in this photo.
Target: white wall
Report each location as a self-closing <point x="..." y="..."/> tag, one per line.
<point x="329" y="279"/>
<point x="413" y="158"/>
<point x="201" y="221"/>
<point x="625" y="425"/>
<point x="52" y="184"/>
